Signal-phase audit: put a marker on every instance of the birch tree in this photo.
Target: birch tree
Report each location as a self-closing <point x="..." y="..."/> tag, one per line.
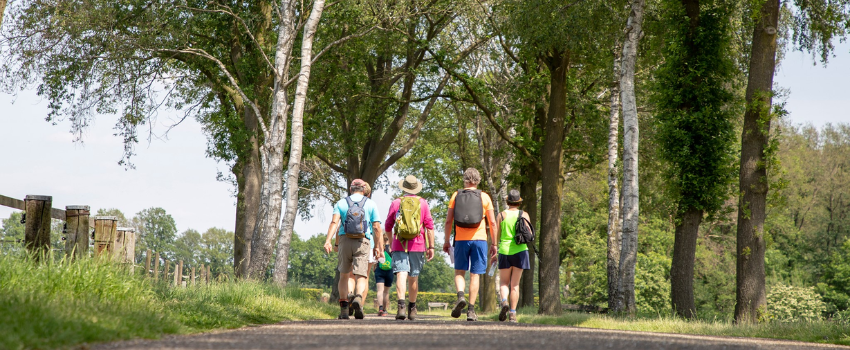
<point x="628" y="251"/>
<point x="281" y="266"/>
<point x="614" y="218"/>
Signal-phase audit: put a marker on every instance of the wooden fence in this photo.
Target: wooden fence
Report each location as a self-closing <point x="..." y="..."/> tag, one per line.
<point x="102" y="233"/>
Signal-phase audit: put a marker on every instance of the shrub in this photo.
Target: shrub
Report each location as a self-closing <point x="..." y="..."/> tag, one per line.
<point x="794" y="304"/>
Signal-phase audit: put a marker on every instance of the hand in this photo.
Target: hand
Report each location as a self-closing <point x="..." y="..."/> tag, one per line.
<point x="328" y="247"/>
<point x="378" y="252"/>
<point x="429" y="254"/>
<point x="493" y="251"/>
<point x="446" y="247"/>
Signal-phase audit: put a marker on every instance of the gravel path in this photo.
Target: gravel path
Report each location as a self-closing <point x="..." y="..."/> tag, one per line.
<point x="375" y="333"/>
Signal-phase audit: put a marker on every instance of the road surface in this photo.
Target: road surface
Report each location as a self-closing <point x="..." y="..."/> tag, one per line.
<point x="379" y="333"/>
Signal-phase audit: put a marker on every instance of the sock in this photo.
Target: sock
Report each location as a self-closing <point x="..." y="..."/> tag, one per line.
<point x="401" y="303"/>
<point x="471" y="307"/>
<point x="460" y="294"/>
<point x="504" y="301"/>
<point x="411" y="304"/>
<point x="513" y="311"/>
<point x="343" y="303"/>
<point x="380" y="308"/>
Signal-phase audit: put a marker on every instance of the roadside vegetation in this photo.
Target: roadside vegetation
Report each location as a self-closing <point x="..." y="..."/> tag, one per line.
<point x="820" y="331"/>
<point x="59" y="304"/>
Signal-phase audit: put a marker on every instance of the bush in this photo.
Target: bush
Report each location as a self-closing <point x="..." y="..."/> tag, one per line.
<point x="311" y="293"/>
<point x="794" y="304"/>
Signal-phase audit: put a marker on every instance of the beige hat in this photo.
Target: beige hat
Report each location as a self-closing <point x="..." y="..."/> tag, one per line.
<point x="410" y="184"/>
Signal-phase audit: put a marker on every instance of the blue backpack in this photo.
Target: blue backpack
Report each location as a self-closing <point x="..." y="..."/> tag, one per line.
<point x="355" y="224"/>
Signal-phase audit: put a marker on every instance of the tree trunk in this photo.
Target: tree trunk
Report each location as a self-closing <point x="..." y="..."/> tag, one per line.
<point x="628" y="249"/>
<point x="614" y="233"/>
<point x="248" y="179"/>
<point x="682" y="269"/>
<point x="268" y="222"/>
<point x="2" y="11"/>
<point x="281" y="265"/>
<point x="552" y="161"/>
<point x="750" y="286"/>
<point x="528" y="192"/>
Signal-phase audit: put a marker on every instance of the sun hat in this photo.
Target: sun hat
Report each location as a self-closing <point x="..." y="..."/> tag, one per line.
<point x="410" y="184"/>
<point x="514" y="198"/>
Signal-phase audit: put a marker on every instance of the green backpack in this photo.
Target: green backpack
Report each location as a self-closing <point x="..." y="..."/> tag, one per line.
<point x="388" y="262"/>
<point x="408" y="223"/>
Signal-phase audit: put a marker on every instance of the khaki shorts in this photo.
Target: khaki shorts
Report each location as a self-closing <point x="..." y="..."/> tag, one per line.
<point x="354" y="255"/>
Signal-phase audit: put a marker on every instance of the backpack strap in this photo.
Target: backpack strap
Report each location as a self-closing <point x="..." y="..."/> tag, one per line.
<point x="362" y="202"/>
<point x="349" y="201"/>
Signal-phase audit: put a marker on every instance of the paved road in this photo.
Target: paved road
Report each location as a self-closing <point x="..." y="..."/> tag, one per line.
<point x="375" y="333"/>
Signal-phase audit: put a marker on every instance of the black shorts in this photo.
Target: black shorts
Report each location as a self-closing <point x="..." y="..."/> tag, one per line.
<point x="384" y="276"/>
<point x="519" y="260"/>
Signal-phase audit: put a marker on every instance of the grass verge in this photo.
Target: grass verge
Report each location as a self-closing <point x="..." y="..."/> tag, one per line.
<point x="60" y="304"/>
<point x="818" y="332"/>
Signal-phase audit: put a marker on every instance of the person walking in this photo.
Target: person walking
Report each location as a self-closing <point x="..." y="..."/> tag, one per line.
<point x="384" y="281"/>
<point x="513" y="257"/>
<point x="409" y="219"/>
<point x="367" y="191"/>
<point x="356" y="223"/>
<point x="468" y="210"/>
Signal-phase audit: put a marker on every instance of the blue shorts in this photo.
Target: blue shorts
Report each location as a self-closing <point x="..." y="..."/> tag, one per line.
<point x="471" y="256"/>
<point x="384" y="276"/>
<point x="408" y="262"/>
<point x="519" y="260"/>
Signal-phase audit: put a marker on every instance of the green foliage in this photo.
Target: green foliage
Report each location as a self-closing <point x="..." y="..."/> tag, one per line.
<point x="11" y="231"/>
<point x="694" y="104"/>
<point x="156" y="230"/>
<point x="835" y="287"/>
<point x="437" y="275"/>
<point x="58" y="304"/>
<point x="308" y="263"/>
<point x="794" y="304"/>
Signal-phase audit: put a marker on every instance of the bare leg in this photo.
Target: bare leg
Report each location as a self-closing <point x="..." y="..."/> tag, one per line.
<point x="460" y="283"/>
<point x="516" y="274"/>
<point x="401" y="285"/>
<point x="473" y="287"/>
<point x="504" y="284"/>
<point x="414" y="288"/>
<point x="362" y="284"/>
<point x="380" y="294"/>
<point x="385" y="297"/>
<point x="343" y="286"/>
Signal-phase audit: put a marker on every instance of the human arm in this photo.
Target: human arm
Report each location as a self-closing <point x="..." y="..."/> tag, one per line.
<point x="447" y="230"/>
<point x="499" y="226"/>
<point x="378" y="235"/>
<point x="494" y="233"/>
<point x="429" y="244"/>
<point x="333" y="229"/>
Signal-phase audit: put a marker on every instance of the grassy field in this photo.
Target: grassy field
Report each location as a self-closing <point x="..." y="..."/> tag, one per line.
<point x="55" y="305"/>
<point x="819" y="332"/>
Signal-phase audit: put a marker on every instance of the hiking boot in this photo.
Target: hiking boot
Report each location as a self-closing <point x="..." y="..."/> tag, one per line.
<point x="381" y="311"/>
<point x="411" y="312"/>
<point x="343" y="313"/>
<point x="470" y="315"/>
<point x="512" y="317"/>
<point x="503" y="313"/>
<point x="357" y="306"/>
<point x="458" y="308"/>
<point x="351" y="305"/>
<point x="400" y="315"/>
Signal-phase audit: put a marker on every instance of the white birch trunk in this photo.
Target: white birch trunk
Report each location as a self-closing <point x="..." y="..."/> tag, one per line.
<point x="271" y="153"/>
<point x="628" y="250"/>
<point x="614" y="233"/>
<point x="281" y="265"/>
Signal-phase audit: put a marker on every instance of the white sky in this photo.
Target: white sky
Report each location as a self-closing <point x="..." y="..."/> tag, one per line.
<point x="40" y="158"/>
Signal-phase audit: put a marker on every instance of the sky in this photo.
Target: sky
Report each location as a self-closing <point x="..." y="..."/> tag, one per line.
<point x="173" y="172"/>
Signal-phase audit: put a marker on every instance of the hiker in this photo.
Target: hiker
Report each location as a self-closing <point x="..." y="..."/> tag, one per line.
<point x="384" y="281"/>
<point x="367" y="191"/>
<point x="468" y="208"/>
<point x="513" y="257"/>
<point x="412" y="228"/>
<point x="354" y="221"/>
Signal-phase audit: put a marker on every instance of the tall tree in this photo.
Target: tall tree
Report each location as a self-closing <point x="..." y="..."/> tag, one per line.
<point x="156" y="230"/>
<point x="614" y="229"/>
<point x="631" y="202"/>
<point x="695" y="113"/>
<point x="294" y="166"/>
<point x="2" y="11"/>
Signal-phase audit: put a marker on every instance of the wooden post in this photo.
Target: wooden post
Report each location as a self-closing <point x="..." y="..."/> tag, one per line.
<point x="125" y="247"/>
<point x="147" y="262"/>
<point x="209" y="277"/>
<point x="165" y="272"/>
<point x="203" y="273"/>
<point x="180" y="274"/>
<point x="156" y="268"/>
<point x="104" y="234"/>
<point x="193" y="276"/>
<point x="37" y="229"/>
<point x="176" y="274"/>
<point x="76" y="231"/>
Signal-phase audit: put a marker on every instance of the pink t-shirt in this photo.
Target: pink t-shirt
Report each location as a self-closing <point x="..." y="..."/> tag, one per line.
<point x="418" y="243"/>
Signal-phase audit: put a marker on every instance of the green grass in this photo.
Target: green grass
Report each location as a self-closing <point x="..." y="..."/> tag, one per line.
<point x="59" y="304"/>
<point x="819" y="332"/>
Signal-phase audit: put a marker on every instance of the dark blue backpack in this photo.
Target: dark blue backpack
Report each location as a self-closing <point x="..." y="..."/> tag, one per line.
<point x="355" y="224"/>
